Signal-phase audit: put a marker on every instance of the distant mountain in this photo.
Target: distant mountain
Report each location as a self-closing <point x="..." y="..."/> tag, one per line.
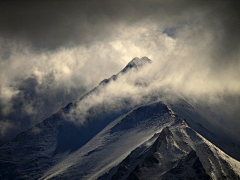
<point x="151" y="139"/>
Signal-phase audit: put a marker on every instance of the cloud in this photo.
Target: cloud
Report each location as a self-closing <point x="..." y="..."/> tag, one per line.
<point x="53" y="24"/>
<point x="55" y="51"/>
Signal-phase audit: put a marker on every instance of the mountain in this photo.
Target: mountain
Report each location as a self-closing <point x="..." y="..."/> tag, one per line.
<point x="101" y="136"/>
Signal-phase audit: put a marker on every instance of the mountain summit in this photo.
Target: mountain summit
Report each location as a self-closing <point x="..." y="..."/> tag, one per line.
<point x="137" y="63"/>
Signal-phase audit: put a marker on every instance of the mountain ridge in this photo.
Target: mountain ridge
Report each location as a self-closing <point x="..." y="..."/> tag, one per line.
<point x="155" y="161"/>
<point x="61" y="147"/>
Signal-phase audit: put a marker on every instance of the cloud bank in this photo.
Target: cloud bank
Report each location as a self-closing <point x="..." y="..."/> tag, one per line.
<point x="55" y="51"/>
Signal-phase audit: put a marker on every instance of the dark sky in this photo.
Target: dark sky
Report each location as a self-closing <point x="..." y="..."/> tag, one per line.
<point x="52" y="52"/>
<point x="52" y="24"/>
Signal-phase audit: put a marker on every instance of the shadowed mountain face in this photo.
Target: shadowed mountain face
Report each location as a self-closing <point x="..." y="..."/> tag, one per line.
<point x="144" y="140"/>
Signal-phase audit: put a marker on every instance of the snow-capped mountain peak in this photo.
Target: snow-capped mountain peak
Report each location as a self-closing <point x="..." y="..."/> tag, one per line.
<point x="137" y="63"/>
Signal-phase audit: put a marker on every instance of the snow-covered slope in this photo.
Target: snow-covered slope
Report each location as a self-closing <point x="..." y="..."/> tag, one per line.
<point x="113" y="143"/>
<point x="85" y="143"/>
<point x="209" y="124"/>
<point x="178" y="152"/>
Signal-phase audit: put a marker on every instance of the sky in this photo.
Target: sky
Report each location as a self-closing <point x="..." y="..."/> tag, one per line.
<point x="53" y="52"/>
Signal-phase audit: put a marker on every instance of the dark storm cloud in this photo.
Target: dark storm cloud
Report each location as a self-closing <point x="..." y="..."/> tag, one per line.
<point x="223" y="19"/>
<point x="34" y="102"/>
<point x="51" y="24"/>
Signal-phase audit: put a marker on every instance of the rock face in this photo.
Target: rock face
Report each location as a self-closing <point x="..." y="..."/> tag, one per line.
<point x="189" y="167"/>
<point x="141" y="141"/>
